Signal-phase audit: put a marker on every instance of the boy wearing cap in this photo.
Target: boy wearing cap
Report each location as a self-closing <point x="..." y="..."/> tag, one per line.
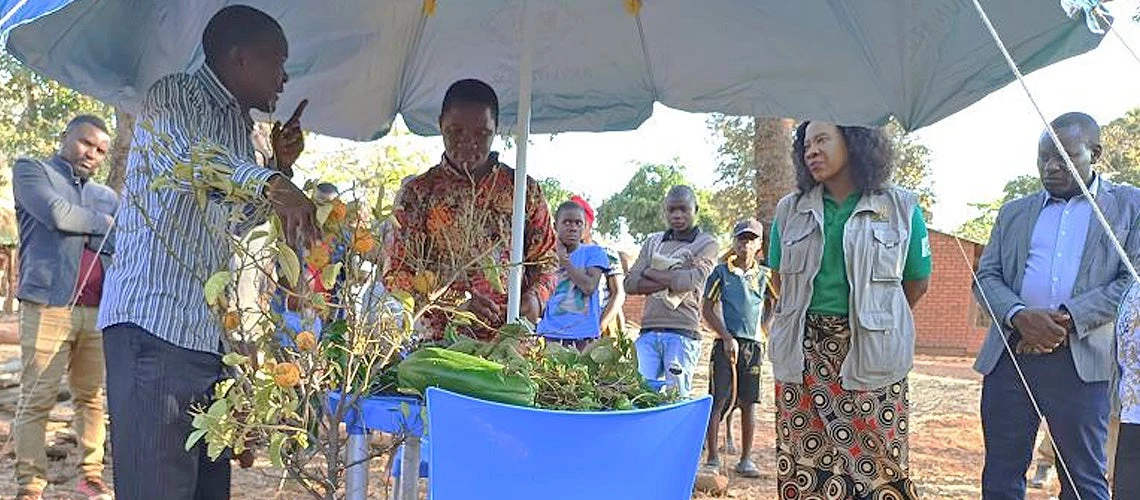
<point x="733" y="307"/>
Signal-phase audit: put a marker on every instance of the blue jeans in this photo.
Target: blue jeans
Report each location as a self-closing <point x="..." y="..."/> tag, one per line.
<point x="668" y="356"/>
<point x="1077" y="412"/>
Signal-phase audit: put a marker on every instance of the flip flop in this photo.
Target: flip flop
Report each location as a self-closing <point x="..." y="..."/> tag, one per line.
<point x="747" y="469"/>
<point x="712" y="466"/>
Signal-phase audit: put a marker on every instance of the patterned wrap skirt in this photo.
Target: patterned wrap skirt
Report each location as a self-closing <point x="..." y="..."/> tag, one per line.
<point x="833" y="443"/>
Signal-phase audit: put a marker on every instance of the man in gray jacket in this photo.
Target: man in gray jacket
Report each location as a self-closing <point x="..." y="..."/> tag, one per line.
<point x="65" y="222"/>
<point x="1054" y="281"/>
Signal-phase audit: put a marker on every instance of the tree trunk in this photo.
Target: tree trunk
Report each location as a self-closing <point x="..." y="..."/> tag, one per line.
<point x="775" y="174"/>
<point x="121" y="149"/>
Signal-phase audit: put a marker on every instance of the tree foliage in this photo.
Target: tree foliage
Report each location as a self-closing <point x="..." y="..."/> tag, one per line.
<point x="554" y="192"/>
<point x="639" y="208"/>
<point x="978" y="229"/>
<point x="1120" y="162"/>
<point x="736" y="170"/>
<point x="369" y="170"/>
<point x="912" y="167"/>
<point x="755" y="170"/>
<point x="1121" y="142"/>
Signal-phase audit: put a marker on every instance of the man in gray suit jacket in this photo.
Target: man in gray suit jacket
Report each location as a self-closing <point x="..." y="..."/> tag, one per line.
<point x="65" y="222"/>
<point x="1053" y="280"/>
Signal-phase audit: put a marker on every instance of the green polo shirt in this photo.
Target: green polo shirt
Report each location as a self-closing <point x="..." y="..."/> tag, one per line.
<point x="831" y="290"/>
<point x="741" y="296"/>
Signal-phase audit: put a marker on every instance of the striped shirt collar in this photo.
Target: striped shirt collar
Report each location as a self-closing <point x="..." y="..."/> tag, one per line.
<point x="730" y="262"/>
<point x="215" y="89"/>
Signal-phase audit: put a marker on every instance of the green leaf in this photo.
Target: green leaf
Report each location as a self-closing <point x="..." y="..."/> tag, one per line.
<point x="520" y="327"/>
<point x="216" y="286"/>
<point x="337" y="329"/>
<point x="183" y="171"/>
<point x="202" y="197"/>
<point x="233" y="359"/>
<point x="405" y="299"/>
<point x="222" y="388"/>
<point x="463" y="318"/>
<point x="323" y="211"/>
<point x="290" y="264"/>
<point x="218" y="409"/>
<point x="194" y="437"/>
<point x="215" y="449"/>
<point x="275" y="444"/>
<point x="275" y="227"/>
<point x="450" y="335"/>
<point x="329" y="275"/>
<point x="492" y="275"/>
<point x="257" y="235"/>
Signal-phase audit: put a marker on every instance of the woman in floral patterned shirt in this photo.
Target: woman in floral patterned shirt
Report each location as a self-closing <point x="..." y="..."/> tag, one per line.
<point x="454" y="221"/>
<point x="1126" y="478"/>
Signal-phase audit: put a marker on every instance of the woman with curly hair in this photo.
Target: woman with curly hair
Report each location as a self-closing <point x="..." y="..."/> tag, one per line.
<point x="853" y="259"/>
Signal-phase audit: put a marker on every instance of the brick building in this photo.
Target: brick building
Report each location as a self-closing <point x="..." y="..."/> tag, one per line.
<point x="949" y="320"/>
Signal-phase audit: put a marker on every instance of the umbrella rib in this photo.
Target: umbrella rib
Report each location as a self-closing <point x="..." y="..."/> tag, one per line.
<point x="411" y="51"/>
<point x="645" y="55"/>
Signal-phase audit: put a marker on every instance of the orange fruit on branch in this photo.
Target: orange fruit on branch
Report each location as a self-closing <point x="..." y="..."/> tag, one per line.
<point x="362" y="241"/>
<point x="306" y="341"/>
<point x="338" y="212"/>
<point x="231" y="321"/>
<point x="286" y="375"/>
<point x="318" y="256"/>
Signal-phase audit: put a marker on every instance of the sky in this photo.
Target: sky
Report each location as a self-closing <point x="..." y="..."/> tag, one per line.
<point x="973" y="153"/>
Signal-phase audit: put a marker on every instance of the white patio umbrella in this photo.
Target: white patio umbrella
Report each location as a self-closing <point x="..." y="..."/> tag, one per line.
<point x="585" y="65"/>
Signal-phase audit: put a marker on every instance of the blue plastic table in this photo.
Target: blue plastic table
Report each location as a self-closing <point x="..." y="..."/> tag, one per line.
<point x="392" y="414"/>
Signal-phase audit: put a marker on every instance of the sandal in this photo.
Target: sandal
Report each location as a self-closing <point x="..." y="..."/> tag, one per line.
<point x="712" y="466"/>
<point x="747" y="469"/>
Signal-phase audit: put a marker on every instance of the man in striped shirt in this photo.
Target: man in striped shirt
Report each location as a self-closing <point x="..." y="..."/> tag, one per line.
<point x="163" y="344"/>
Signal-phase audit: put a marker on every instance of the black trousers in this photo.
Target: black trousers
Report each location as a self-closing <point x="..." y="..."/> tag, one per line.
<point x="1126" y="479"/>
<point x="151" y="385"/>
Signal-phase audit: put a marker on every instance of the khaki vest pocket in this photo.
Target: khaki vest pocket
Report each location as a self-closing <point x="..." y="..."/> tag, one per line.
<point x="888" y="256"/>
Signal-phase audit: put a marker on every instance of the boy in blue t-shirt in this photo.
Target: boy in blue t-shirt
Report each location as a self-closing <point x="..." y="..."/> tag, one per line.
<point x="573" y="315"/>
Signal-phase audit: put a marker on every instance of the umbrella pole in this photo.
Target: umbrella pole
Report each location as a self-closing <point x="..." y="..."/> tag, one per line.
<point x="522" y="136"/>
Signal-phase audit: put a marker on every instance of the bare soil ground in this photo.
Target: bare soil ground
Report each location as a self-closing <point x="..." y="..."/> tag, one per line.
<point x="945" y="439"/>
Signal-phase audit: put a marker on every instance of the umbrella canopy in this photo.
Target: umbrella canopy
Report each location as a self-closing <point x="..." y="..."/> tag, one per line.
<point x="586" y="65"/>
<point x="598" y="65"/>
